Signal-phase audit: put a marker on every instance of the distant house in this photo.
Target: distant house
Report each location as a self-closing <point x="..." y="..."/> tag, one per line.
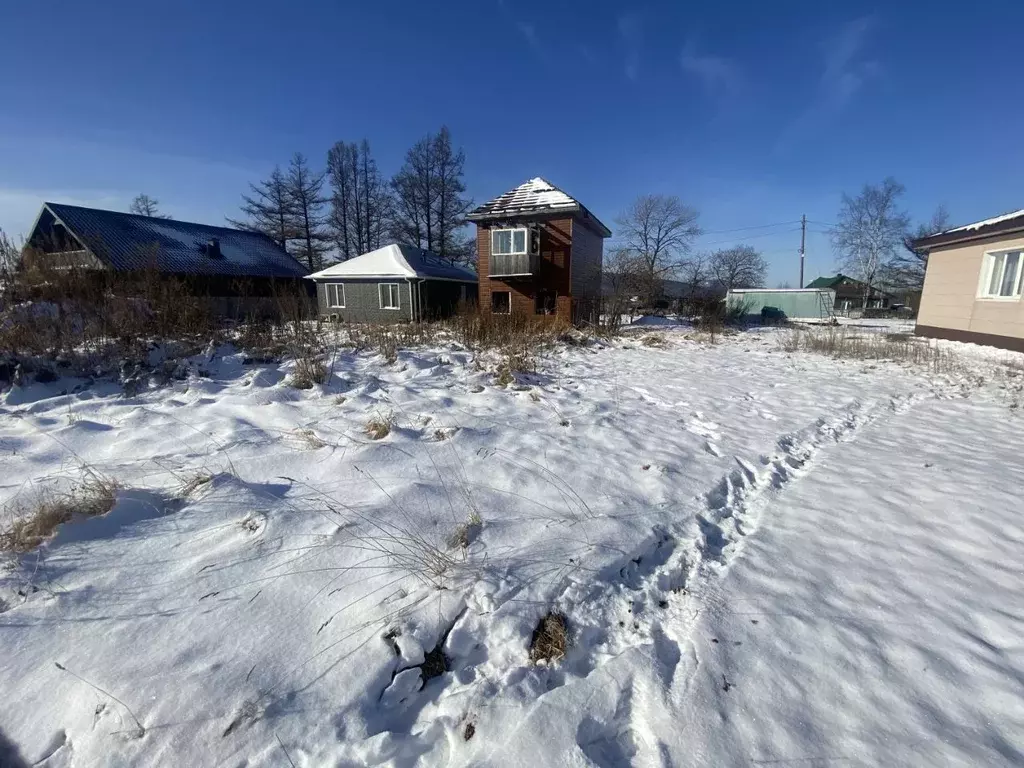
<point x="217" y="262"/>
<point x="852" y="294"/>
<point x="393" y="284"/>
<point x="540" y="253"/>
<point x="972" y="286"/>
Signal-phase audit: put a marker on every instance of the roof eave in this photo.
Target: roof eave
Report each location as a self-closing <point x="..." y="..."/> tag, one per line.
<point x="479" y="215"/>
<point x="1012" y="227"/>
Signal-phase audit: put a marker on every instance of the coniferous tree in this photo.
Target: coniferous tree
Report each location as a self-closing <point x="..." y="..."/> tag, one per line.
<point x="305" y="195"/>
<point x="269" y="210"/>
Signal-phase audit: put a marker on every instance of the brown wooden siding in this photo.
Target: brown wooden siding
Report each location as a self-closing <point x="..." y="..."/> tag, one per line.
<point x="553" y="273"/>
<point x="587" y="258"/>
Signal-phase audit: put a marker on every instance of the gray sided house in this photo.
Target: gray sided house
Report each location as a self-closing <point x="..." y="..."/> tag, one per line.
<point x="237" y="271"/>
<point x="393" y="284"/>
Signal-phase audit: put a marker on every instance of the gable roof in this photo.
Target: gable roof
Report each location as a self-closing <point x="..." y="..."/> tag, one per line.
<point x="397" y="260"/>
<point x="828" y="282"/>
<point x="127" y="241"/>
<point x="1006" y="223"/>
<point x="536" y="196"/>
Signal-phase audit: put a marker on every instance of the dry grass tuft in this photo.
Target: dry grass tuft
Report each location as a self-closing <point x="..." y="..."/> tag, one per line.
<point x="309" y="370"/>
<point x="310" y="439"/>
<point x="852" y="344"/>
<point x="194" y="483"/>
<point x="654" y="340"/>
<point x="37" y="521"/>
<point x="379" y="426"/>
<point x="550" y="639"/>
<point x="465" y="533"/>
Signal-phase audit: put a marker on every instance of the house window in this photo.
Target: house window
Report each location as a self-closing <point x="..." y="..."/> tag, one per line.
<point x="508" y="242"/>
<point x="336" y="295"/>
<point x="501" y="302"/>
<point x="1001" y="275"/>
<point x="388" y="295"/>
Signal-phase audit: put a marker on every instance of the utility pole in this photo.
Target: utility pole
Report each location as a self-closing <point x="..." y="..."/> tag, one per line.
<point x="803" y="240"/>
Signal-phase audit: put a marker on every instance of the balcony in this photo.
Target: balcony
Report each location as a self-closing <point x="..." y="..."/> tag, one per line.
<point x="513" y="265"/>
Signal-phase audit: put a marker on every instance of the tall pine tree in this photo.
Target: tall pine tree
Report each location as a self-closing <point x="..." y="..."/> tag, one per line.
<point x="269" y="210"/>
<point x="430" y="207"/>
<point x="305" y="195"/>
<point x="360" y="199"/>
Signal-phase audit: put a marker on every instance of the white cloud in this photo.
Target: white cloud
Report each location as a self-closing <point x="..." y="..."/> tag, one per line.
<point x="631" y="36"/>
<point x="846" y="71"/>
<point x="718" y="75"/>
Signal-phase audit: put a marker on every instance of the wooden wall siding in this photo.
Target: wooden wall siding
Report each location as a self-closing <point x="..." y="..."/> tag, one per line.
<point x="553" y="272"/>
<point x="362" y="302"/>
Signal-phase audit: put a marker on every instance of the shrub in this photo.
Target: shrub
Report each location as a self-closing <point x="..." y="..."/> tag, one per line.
<point x="309" y="370"/>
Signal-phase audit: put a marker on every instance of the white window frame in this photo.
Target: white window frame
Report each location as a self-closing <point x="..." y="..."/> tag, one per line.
<point x="512" y="240"/>
<point x="336" y="295"/>
<point x="988" y="264"/>
<point x="397" y="295"/>
<point x="509" y="312"/>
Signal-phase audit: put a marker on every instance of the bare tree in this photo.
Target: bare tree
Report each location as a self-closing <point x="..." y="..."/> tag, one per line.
<point x="738" y="267"/>
<point x="360" y="199"/>
<point x="870" y="232"/>
<point x="305" y="194"/>
<point x="144" y="205"/>
<point x="430" y="207"/>
<point x="784" y="285"/>
<point x="269" y="210"/>
<point x="10" y="255"/>
<point x="660" y="230"/>
<point x="627" y="283"/>
<point x="906" y="270"/>
<point x="452" y="205"/>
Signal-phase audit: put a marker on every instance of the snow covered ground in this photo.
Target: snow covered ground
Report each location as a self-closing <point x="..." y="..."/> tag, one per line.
<point x="764" y="558"/>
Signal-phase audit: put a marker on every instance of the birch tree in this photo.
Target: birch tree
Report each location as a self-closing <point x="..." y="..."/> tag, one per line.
<point x="870" y="232"/>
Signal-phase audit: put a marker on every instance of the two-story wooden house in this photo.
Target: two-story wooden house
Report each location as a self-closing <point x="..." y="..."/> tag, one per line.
<point x="540" y="253"/>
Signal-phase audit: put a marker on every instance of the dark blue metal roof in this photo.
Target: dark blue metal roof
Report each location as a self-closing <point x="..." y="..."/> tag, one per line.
<point x="127" y="241"/>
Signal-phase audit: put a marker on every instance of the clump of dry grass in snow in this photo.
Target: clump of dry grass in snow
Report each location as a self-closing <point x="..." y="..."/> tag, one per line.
<point x="654" y="340"/>
<point x="844" y="343"/>
<point x="550" y="639"/>
<point x="309" y="370"/>
<point x="34" y="521"/>
<point x="379" y="426"/>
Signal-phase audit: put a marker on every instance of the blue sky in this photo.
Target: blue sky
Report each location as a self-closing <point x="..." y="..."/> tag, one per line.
<point x="753" y="112"/>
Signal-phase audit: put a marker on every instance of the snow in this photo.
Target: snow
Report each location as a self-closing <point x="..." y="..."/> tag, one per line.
<point x="395" y="260"/>
<point x="764" y="558"/>
<point x="537" y="193"/>
<point x="985" y="222"/>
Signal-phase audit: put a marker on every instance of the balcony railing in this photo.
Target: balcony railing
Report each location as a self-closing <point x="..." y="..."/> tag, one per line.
<point x="507" y="265"/>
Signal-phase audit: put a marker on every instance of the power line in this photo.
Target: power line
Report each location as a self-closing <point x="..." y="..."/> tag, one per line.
<point x="753" y="237"/>
<point x="744" y="229"/>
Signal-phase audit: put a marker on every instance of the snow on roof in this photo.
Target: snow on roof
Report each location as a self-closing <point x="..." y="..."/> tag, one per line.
<point x="397" y="260"/>
<point x="536" y="195"/>
<point x="984" y="223"/>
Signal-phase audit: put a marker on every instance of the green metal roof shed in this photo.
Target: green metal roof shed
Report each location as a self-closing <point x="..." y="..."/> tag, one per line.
<point x="782" y="303"/>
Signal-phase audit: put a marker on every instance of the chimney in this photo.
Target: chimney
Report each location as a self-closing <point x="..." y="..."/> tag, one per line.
<point x="213" y="248"/>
